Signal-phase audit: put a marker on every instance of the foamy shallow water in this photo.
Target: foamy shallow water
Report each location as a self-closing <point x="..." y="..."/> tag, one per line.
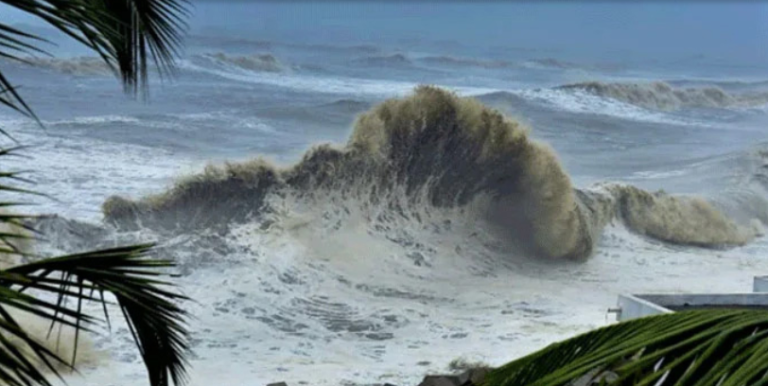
<point x="431" y="316"/>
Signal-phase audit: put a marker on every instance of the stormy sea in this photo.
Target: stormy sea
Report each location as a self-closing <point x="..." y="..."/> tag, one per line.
<point x="362" y="193"/>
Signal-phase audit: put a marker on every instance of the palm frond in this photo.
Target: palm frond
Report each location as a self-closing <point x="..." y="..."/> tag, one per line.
<point x="14" y="231"/>
<point x="152" y="314"/>
<point x="10" y="98"/>
<point x="137" y="30"/>
<point x="16" y="369"/>
<point x="125" y="33"/>
<point x="696" y="348"/>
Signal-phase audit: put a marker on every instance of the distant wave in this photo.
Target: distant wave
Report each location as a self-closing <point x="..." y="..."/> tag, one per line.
<point x="348" y="105"/>
<point x="393" y="60"/>
<point x="729" y="85"/>
<point x="315" y="82"/>
<point x="92" y="66"/>
<point x="436" y="155"/>
<point x="552" y="63"/>
<point x="255" y="62"/>
<point x="465" y="62"/>
<point x="78" y="66"/>
<point x="230" y="42"/>
<point x="239" y="43"/>
<point x="662" y="96"/>
<point x="582" y="103"/>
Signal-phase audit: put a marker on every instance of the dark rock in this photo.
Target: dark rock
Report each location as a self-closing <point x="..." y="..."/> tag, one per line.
<point x="471" y="377"/>
<point x="440" y="380"/>
<point x="474" y="376"/>
<point x="278" y="384"/>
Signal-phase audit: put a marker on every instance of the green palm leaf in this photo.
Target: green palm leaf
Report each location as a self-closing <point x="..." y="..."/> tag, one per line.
<point x="127" y="35"/>
<point x="134" y="28"/>
<point x="703" y="347"/>
<point x="152" y="313"/>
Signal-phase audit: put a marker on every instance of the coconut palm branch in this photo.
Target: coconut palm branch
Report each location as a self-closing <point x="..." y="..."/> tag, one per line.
<point x="130" y="36"/>
<point x="151" y="312"/>
<point x="701" y="348"/>
<point x="125" y="33"/>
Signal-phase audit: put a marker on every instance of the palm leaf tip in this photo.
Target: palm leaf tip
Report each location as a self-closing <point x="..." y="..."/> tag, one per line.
<point x="152" y="312"/>
<point x="136" y="31"/>
<point x="126" y="34"/>
<point x="704" y="347"/>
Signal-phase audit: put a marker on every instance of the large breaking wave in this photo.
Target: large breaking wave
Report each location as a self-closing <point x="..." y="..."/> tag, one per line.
<point x="434" y="152"/>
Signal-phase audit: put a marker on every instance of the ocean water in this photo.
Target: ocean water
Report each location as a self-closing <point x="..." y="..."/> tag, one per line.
<point x="412" y="240"/>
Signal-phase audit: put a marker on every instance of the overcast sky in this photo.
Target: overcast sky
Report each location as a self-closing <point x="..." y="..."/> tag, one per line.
<point x="717" y="29"/>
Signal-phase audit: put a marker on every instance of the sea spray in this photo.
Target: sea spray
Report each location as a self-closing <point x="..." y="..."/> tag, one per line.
<point x="686" y="220"/>
<point x="436" y="150"/>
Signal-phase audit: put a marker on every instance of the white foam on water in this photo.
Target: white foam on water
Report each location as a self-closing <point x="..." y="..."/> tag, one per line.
<point x="81" y="172"/>
<point x="94" y="120"/>
<point x="304" y="301"/>
<point x="654" y="174"/>
<point x="264" y="316"/>
<point x="577" y="101"/>
<point x="331" y="85"/>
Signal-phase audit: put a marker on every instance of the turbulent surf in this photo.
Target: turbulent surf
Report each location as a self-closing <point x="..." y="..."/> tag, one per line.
<point x="430" y="152"/>
<point x="662" y="96"/>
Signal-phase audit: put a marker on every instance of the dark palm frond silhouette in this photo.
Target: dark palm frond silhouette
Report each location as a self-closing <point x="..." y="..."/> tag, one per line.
<point x="711" y="347"/>
<point x="130" y="36"/>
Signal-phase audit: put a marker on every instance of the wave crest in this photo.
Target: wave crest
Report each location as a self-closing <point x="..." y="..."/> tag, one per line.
<point x="465" y="62"/>
<point x="256" y="62"/>
<point x="393" y="60"/>
<point x="434" y="149"/>
<point x="662" y="96"/>
<point x="552" y="63"/>
<point x="685" y="220"/>
<point x="78" y="66"/>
